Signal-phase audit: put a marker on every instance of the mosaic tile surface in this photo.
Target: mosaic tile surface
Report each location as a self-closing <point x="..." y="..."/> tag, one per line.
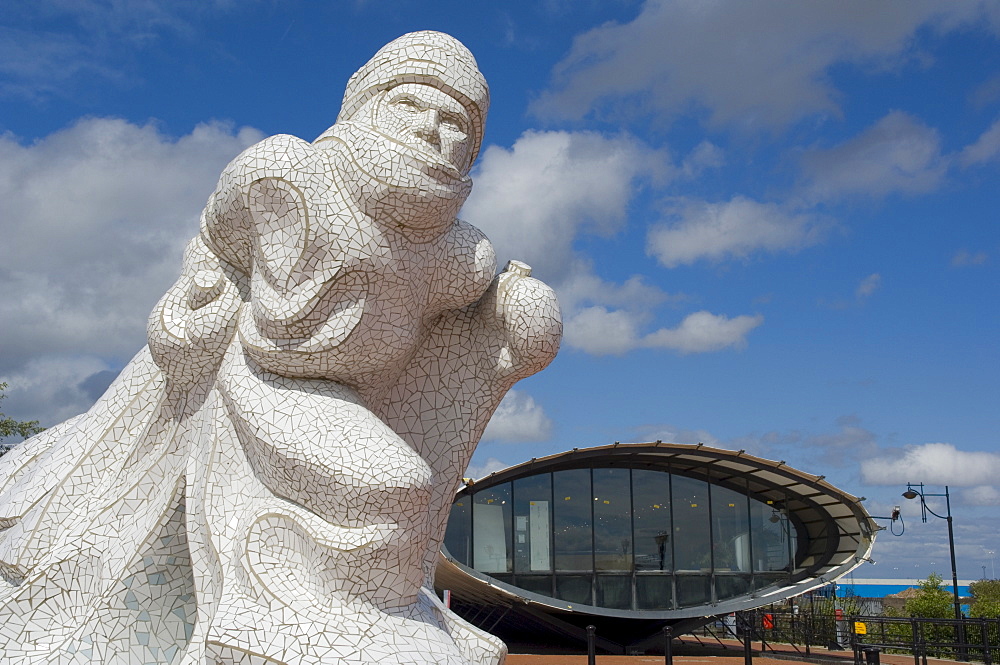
<point x="268" y="481"/>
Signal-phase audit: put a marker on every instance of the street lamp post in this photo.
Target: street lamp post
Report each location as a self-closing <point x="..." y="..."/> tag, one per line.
<point x="912" y="493"/>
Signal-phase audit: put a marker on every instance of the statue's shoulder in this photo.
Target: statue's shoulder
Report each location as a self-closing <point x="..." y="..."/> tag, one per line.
<point x="280" y="156"/>
<point x="464" y="234"/>
<point x="466" y="245"/>
<point x="277" y="149"/>
<point x="465" y="265"/>
<point x="278" y="144"/>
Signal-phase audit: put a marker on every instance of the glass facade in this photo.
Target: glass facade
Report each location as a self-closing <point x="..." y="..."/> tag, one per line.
<point x="624" y="538"/>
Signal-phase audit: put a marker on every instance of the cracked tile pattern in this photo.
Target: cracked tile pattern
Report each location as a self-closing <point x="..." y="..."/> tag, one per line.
<point x="268" y="480"/>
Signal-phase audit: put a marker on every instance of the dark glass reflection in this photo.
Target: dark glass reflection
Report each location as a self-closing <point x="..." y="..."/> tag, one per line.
<point x="730" y="531"/>
<point x="574" y="535"/>
<point x="540" y="584"/>
<point x="533" y="525"/>
<point x="574" y="588"/>
<point x="692" y="544"/>
<point x="654" y="592"/>
<point x="612" y="521"/>
<point x="771" y="543"/>
<point x="491" y="530"/>
<point x="624" y="538"/>
<point x="694" y="590"/>
<point x="651" y="508"/>
<point x="731" y="586"/>
<point x="764" y="580"/>
<point x="614" y="591"/>
<point x="457" y="536"/>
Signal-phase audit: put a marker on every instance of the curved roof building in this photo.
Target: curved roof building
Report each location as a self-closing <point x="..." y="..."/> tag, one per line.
<point x="632" y="537"/>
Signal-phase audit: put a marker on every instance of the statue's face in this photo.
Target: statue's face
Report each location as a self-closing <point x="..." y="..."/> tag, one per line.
<point x="428" y="120"/>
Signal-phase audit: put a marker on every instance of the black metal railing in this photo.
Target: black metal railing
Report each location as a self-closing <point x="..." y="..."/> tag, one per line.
<point x="968" y="639"/>
<point x="971" y="639"/>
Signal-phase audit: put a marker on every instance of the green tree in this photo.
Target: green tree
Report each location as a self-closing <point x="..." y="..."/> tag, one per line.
<point x="985" y="599"/>
<point x="932" y="601"/>
<point x="11" y="427"/>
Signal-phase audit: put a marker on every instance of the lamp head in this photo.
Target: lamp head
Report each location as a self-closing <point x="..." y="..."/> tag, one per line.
<point x="910" y="493"/>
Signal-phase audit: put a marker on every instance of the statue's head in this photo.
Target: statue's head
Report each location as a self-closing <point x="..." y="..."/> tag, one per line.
<point x="409" y="129"/>
<point x="420" y="72"/>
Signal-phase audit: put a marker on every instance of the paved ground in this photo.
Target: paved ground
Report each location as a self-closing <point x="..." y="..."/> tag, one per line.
<point x="787" y="656"/>
<point x="532" y="659"/>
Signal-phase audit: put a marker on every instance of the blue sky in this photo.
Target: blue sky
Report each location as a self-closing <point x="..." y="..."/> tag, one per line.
<point x="771" y="225"/>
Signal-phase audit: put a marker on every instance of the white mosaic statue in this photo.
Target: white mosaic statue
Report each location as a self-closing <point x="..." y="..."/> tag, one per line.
<point x="269" y="480"/>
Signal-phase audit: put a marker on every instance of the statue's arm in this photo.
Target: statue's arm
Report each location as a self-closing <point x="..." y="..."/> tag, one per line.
<point x="470" y="359"/>
<point x="256" y="216"/>
<point x="270" y="218"/>
<point x="190" y="327"/>
<point x="260" y="204"/>
<point x="473" y="355"/>
<point x="525" y="313"/>
<point x="464" y="265"/>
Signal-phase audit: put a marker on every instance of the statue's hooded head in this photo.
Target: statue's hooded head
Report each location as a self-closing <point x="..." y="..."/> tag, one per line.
<point x="429" y="58"/>
<point x="419" y="184"/>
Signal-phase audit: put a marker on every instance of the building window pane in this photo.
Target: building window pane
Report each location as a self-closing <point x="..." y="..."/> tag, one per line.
<point x="574" y="588"/>
<point x="540" y="584"/>
<point x="651" y="509"/>
<point x="614" y="591"/>
<point x="731" y="586"/>
<point x="764" y="580"/>
<point x="533" y="524"/>
<point x="571" y="515"/>
<point x="692" y="536"/>
<point x="730" y="530"/>
<point x="457" y="536"/>
<point x="793" y="545"/>
<point x="491" y="529"/>
<point x="654" y="592"/>
<point x="693" y="590"/>
<point x="612" y="520"/>
<point x="771" y="530"/>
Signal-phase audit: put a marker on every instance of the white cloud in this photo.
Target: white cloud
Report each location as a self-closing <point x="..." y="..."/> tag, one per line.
<point x="933" y="463"/>
<point x="480" y="471"/>
<point x="703" y="331"/>
<point x="983" y="495"/>
<point x="706" y="155"/>
<point x="838" y="448"/>
<point x="53" y="388"/>
<point x="985" y="149"/>
<point x="986" y="93"/>
<point x="95" y="217"/>
<point x="758" y="65"/>
<point x="603" y="318"/>
<point x="600" y="331"/>
<point x="534" y="199"/>
<point x="736" y="228"/>
<point x="964" y="257"/>
<point x="583" y="287"/>
<point x="897" y="154"/>
<point x="518" y="418"/>
<point x="537" y="198"/>
<point x="846" y="445"/>
<point x="868" y="286"/>
<point x="672" y="434"/>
